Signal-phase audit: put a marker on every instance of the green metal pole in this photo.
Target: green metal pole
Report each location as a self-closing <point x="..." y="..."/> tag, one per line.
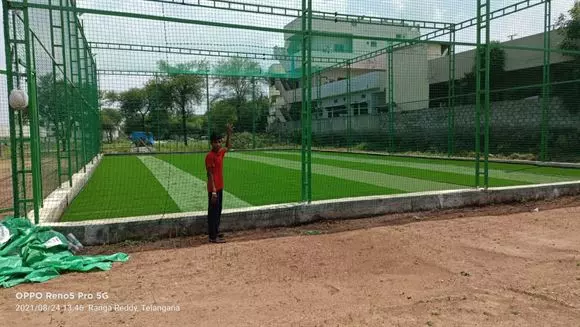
<point x="67" y="96"/>
<point x="79" y="87"/>
<point x="391" y="99"/>
<point x="478" y="94"/>
<point x="158" y="111"/>
<point x="11" y="116"/>
<point x="33" y="117"/>
<point x="348" y="107"/>
<point x="20" y="140"/>
<point x="451" y="101"/>
<point x="546" y="87"/>
<point x="254" y="105"/>
<point x="39" y="166"/>
<point x="208" y="109"/>
<point x="487" y="107"/>
<point x="309" y="102"/>
<point x="54" y="100"/>
<point x="306" y="100"/>
<point x="483" y="58"/>
<point x="74" y="99"/>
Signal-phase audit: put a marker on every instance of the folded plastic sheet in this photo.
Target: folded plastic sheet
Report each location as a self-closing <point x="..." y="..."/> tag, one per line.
<point x="35" y="254"/>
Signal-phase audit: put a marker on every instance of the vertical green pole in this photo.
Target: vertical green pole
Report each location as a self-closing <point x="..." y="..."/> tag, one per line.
<point x="54" y="100"/>
<point x="74" y="99"/>
<point x="90" y="123"/>
<point x="79" y="87"/>
<point x="11" y="116"/>
<point x="67" y="86"/>
<point x="482" y="95"/>
<point x="33" y="116"/>
<point x="319" y="93"/>
<point x="478" y="94"/>
<point x="451" y="91"/>
<point x="391" y="100"/>
<point x="546" y="87"/>
<point x="306" y="100"/>
<point x="20" y="140"/>
<point x="38" y="167"/>
<point x="309" y="101"/>
<point x="158" y="111"/>
<point x="487" y="107"/>
<point x="349" y="112"/>
<point x="254" y="108"/>
<point x="208" y="110"/>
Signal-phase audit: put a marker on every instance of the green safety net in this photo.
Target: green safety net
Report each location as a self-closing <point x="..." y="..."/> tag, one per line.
<point x="35" y="254"/>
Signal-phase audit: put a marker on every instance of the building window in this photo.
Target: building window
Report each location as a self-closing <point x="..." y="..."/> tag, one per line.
<point x="339" y="48"/>
<point x="374" y="44"/>
<point x="399" y="36"/>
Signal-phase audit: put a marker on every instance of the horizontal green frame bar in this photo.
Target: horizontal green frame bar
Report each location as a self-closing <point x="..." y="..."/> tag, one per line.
<point x="226" y="25"/>
<point x="319" y="15"/>
<point x="201" y="52"/>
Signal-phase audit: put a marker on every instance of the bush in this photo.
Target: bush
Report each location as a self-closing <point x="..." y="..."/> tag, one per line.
<point x="361" y="147"/>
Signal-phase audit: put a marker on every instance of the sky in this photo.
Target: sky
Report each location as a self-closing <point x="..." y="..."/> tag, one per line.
<point x="138" y="31"/>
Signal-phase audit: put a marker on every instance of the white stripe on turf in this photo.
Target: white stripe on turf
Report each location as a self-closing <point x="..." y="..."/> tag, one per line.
<point x="188" y="192"/>
<point x="446" y="168"/>
<point x="406" y="184"/>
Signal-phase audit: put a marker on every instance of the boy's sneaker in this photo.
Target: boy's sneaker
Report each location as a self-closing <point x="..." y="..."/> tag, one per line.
<point x="217" y="240"/>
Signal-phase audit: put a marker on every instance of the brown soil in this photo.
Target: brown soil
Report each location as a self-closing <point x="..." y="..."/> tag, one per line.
<point x="5" y="184"/>
<point x="507" y="265"/>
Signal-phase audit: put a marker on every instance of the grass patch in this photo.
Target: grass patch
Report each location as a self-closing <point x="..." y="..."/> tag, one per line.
<point x="260" y="184"/>
<point x="550" y="171"/>
<point x="120" y="187"/>
<point x="424" y="174"/>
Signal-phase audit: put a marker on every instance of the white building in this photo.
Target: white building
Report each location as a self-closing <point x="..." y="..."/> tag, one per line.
<point x="369" y="78"/>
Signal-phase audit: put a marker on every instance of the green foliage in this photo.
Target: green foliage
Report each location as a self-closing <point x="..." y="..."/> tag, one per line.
<point x="467" y="84"/>
<point x="52" y="108"/>
<point x="110" y="122"/>
<point x="569" y="27"/>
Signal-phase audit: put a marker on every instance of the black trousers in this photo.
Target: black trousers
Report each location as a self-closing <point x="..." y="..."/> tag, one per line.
<point x="214" y="214"/>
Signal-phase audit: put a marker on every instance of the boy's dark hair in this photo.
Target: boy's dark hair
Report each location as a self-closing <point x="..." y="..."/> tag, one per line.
<point x="215" y="137"/>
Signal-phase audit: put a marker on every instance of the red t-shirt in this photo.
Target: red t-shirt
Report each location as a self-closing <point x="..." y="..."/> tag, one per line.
<point x="214" y="163"/>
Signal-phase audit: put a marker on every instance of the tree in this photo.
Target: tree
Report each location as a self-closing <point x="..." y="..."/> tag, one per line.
<point x="569" y="27"/>
<point x="497" y="68"/>
<point x="134" y="108"/>
<point x="233" y="81"/>
<point x="110" y="121"/>
<point x="221" y="113"/>
<point x="183" y="88"/>
<point x="251" y="110"/>
<point x="52" y="108"/>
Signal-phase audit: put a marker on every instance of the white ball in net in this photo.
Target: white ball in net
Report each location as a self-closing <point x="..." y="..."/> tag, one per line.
<point x="18" y="99"/>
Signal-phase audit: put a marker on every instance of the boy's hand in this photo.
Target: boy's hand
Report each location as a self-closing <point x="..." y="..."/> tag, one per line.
<point x="230" y="128"/>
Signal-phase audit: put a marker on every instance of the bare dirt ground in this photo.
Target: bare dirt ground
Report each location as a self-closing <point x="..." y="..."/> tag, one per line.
<point x="507" y="265"/>
<point x="5" y="184"/>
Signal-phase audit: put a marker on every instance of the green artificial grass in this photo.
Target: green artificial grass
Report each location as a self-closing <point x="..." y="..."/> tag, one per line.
<point x="260" y="184"/>
<point x="574" y="173"/>
<point x="423" y="174"/>
<point x="123" y="186"/>
<point x="120" y="187"/>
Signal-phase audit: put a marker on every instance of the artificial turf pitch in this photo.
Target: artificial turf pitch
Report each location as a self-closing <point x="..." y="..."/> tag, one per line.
<point x="133" y="185"/>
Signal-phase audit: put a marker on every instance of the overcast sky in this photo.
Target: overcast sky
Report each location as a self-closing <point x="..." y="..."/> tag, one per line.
<point x="138" y="31"/>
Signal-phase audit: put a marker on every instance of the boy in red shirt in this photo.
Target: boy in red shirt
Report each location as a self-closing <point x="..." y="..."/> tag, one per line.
<point x="215" y="183"/>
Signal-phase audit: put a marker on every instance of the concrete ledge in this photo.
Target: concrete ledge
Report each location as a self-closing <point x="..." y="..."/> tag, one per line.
<point x="106" y="231"/>
<point x="56" y="202"/>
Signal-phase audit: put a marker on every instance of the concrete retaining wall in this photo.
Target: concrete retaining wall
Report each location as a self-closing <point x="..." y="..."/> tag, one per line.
<point x="96" y="232"/>
<point x="56" y="202"/>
